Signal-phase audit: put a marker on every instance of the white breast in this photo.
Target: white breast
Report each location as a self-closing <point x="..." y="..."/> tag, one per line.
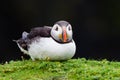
<point x="44" y="48"/>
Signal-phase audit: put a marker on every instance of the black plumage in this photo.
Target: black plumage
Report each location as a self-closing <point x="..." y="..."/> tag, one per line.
<point x="34" y="33"/>
<point x="40" y="31"/>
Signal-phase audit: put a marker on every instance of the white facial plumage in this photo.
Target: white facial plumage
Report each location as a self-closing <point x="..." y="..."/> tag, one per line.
<point x="69" y="32"/>
<point x="57" y="32"/>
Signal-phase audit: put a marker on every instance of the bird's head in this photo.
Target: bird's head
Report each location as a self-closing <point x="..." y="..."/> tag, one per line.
<point x="62" y="32"/>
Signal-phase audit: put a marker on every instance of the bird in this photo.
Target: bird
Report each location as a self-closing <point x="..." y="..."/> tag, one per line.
<point x="48" y="42"/>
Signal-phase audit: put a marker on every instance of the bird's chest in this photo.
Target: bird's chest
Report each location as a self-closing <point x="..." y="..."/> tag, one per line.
<point x="47" y="47"/>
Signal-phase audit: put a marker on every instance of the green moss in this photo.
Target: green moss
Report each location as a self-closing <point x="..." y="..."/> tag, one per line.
<point x="73" y="69"/>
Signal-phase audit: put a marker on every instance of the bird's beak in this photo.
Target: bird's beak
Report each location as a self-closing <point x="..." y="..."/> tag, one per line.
<point x="63" y="36"/>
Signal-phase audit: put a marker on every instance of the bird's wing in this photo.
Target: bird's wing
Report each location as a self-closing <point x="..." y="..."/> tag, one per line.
<point x="40" y="31"/>
<point x="27" y="37"/>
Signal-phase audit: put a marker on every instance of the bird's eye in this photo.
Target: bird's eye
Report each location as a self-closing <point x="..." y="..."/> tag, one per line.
<point x="69" y="28"/>
<point x="56" y="28"/>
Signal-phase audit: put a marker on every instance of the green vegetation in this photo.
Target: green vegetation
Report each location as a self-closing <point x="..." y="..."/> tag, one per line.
<point x="73" y="69"/>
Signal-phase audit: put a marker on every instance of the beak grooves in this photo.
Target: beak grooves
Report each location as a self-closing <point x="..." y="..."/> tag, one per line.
<point x="64" y="34"/>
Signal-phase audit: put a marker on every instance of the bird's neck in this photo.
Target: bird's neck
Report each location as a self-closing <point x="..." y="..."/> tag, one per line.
<point x="61" y="41"/>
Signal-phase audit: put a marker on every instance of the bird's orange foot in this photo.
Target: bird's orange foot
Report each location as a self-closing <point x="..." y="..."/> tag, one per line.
<point x="47" y="58"/>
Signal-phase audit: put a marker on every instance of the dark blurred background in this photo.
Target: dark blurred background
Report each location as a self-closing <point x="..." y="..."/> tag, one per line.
<point x="96" y="25"/>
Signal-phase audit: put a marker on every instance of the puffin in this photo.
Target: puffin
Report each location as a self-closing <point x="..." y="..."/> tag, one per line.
<point x="48" y="42"/>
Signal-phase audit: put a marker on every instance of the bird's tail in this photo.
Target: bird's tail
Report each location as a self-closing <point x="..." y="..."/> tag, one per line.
<point x="23" y="50"/>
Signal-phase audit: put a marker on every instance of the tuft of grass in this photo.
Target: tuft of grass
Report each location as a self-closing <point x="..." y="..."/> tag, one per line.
<point x="73" y="69"/>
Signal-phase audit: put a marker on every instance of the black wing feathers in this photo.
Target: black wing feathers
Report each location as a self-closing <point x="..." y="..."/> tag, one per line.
<point x="39" y="31"/>
<point x="27" y="37"/>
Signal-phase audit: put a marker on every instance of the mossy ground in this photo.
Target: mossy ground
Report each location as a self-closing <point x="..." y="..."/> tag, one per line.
<point x="73" y="69"/>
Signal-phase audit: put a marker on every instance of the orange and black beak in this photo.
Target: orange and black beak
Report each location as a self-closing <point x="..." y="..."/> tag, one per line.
<point x="64" y="34"/>
<point x="63" y="37"/>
